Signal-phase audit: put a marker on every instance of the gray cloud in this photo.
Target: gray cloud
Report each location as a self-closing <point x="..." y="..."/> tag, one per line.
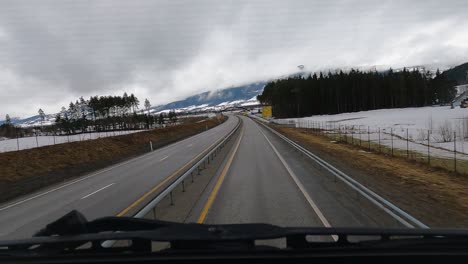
<point x="52" y="52"/>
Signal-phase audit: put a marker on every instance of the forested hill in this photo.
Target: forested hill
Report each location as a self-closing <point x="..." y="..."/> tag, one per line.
<point x="355" y="90"/>
<point x="458" y="73"/>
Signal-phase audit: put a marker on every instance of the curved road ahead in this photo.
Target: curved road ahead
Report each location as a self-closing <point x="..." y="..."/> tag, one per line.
<point x="263" y="179"/>
<point x="268" y="181"/>
<point x="108" y="192"/>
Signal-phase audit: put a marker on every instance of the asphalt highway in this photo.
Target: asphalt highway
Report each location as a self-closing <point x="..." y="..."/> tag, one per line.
<point x="117" y="190"/>
<point x="262" y="179"/>
<point x="268" y="181"/>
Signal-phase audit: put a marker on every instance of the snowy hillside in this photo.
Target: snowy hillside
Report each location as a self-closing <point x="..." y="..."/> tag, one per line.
<point x="214" y="107"/>
<point x="215" y="100"/>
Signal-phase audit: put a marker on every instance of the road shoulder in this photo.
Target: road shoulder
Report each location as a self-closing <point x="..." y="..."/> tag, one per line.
<point x="434" y="196"/>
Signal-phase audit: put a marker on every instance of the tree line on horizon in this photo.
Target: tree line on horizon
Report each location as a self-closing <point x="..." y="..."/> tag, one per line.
<point x="104" y="113"/>
<point x="353" y="91"/>
<point x="99" y="113"/>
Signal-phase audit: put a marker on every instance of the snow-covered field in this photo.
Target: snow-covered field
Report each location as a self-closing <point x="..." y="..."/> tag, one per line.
<point x="30" y="142"/>
<point x="448" y="128"/>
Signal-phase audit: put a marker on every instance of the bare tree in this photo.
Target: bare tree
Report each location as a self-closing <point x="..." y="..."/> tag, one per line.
<point x="41" y="115"/>
<point x="147" y="105"/>
<point x="446" y="132"/>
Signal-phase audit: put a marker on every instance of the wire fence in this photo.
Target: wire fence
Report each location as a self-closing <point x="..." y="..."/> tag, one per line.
<point x="40" y="139"/>
<point x="444" y="147"/>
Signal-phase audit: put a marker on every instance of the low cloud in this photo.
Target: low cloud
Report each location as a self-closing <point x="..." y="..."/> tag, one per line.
<point x="52" y="52"/>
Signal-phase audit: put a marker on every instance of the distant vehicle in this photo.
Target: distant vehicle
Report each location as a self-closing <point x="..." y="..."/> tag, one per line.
<point x="464" y="104"/>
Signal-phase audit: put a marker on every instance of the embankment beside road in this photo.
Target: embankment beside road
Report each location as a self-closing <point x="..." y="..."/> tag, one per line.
<point x="22" y="172"/>
<point x="436" y="197"/>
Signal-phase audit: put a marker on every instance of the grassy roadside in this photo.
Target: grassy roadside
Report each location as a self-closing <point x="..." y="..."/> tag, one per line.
<point x="29" y="170"/>
<point x="458" y="166"/>
<point x="436" y="196"/>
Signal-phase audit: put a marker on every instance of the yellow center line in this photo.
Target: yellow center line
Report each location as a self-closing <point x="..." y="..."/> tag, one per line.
<point x="142" y="198"/>
<point x="213" y="193"/>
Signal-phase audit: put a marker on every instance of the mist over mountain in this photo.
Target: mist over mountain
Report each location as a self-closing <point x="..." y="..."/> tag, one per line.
<point x="217" y="97"/>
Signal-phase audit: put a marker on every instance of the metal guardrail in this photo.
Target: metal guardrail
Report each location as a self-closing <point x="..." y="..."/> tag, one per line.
<point x="401" y="216"/>
<point x="189" y="172"/>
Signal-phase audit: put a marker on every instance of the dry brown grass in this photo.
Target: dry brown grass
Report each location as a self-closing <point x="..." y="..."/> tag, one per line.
<point x="27" y="170"/>
<point x="437" y="197"/>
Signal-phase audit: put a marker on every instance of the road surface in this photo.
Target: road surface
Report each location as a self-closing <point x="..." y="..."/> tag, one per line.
<point x="108" y="192"/>
<point x="270" y="182"/>
<point x="263" y="179"/>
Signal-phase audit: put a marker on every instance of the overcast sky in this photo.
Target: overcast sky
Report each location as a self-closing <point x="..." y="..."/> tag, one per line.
<point x="52" y="52"/>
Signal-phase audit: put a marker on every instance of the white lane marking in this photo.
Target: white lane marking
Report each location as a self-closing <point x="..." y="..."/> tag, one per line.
<point x="164" y="158"/>
<point x="65" y="185"/>
<point x="99" y="172"/>
<point x="301" y="187"/>
<point x="189" y="145"/>
<point x="86" y="196"/>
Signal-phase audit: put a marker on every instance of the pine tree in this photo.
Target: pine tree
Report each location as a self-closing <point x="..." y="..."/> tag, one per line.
<point x="339" y="92"/>
<point x="161" y="119"/>
<point x="7" y="120"/>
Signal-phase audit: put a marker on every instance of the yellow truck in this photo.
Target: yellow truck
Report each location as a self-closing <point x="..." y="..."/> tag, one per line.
<point x="464" y="104"/>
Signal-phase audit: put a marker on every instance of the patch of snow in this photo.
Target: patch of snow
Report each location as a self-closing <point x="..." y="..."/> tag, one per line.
<point x="414" y="124"/>
<point x="30" y="142"/>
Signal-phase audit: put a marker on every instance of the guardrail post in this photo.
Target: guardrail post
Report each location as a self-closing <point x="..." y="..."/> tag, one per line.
<point x="154" y="213"/>
<point x="380" y="150"/>
<point x="391" y="135"/>
<point x="360" y="140"/>
<point x="183" y="186"/>
<point x="172" y="199"/>
<point x="428" y="147"/>
<point x="368" y="137"/>
<point x="455" y="151"/>
<point x="191" y="175"/>
<point x="346" y="134"/>
<point x="17" y="139"/>
<point x="198" y="169"/>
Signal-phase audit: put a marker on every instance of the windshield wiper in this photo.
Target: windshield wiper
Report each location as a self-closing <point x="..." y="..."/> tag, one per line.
<point x="71" y="233"/>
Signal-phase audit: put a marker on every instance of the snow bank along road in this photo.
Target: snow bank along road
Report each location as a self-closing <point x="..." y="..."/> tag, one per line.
<point x="108" y="192"/>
